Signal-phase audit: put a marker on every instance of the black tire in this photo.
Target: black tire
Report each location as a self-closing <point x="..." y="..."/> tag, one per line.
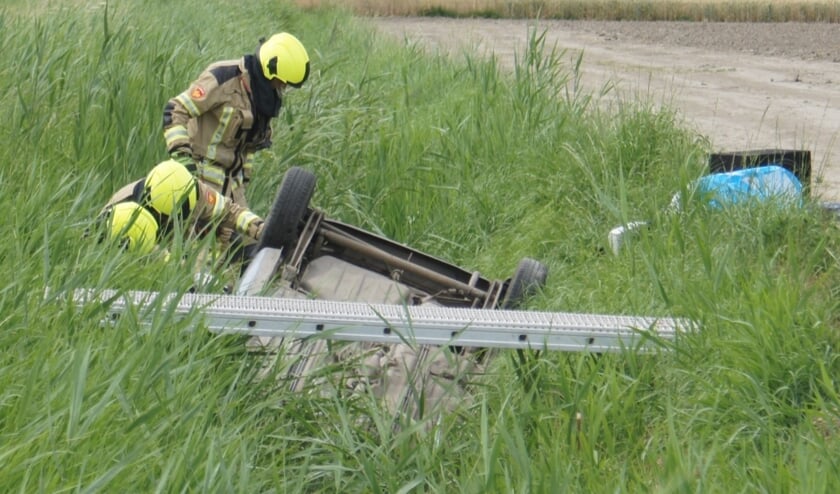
<point x="282" y="226"/>
<point x="529" y="277"/>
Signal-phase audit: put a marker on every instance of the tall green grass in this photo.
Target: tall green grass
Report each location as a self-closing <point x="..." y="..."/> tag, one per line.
<point x="453" y="156"/>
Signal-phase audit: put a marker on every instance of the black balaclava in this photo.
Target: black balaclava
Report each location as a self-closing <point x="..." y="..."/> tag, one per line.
<point x="266" y="100"/>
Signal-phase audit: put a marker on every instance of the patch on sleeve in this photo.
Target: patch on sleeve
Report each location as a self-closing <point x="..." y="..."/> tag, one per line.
<point x="211" y="198"/>
<point x="198" y="92"/>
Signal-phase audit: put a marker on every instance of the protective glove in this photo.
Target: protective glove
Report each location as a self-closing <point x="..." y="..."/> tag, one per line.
<point x="255" y="229"/>
<point x="185" y="159"/>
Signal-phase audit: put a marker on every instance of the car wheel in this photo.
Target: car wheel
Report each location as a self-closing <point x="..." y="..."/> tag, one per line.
<point x="529" y="277"/>
<point x="290" y="206"/>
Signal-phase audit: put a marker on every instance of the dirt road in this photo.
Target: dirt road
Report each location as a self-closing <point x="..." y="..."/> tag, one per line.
<point x="744" y="86"/>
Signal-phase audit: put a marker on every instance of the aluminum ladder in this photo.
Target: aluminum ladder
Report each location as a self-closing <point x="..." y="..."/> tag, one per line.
<point x="384" y="323"/>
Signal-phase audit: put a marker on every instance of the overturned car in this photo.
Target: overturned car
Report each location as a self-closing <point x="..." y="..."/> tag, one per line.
<point x="304" y="254"/>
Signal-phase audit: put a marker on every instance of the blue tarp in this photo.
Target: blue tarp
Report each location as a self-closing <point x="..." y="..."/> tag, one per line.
<point x="761" y="184"/>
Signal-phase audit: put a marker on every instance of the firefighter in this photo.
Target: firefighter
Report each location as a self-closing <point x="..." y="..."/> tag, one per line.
<point x="217" y="124"/>
<point x="143" y="212"/>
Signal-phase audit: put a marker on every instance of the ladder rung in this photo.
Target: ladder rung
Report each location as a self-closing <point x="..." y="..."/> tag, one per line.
<point x="385" y="323"/>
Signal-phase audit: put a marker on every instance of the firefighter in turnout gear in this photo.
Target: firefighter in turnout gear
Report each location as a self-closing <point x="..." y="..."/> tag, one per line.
<point x="224" y="117"/>
<point x="142" y="213"/>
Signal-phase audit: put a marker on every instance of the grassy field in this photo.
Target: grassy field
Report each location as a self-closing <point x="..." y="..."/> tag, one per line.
<point x="635" y="10"/>
<point x="458" y="159"/>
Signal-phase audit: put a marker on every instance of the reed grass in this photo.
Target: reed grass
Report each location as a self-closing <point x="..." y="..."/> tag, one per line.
<point x="612" y="10"/>
<point x="451" y="155"/>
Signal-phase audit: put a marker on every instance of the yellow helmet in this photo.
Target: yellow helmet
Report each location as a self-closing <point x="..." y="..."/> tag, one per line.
<point x="170" y="188"/>
<point x="284" y="58"/>
<point x="133" y="224"/>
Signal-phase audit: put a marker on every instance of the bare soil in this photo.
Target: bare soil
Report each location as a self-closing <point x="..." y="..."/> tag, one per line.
<point x="741" y="85"/>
